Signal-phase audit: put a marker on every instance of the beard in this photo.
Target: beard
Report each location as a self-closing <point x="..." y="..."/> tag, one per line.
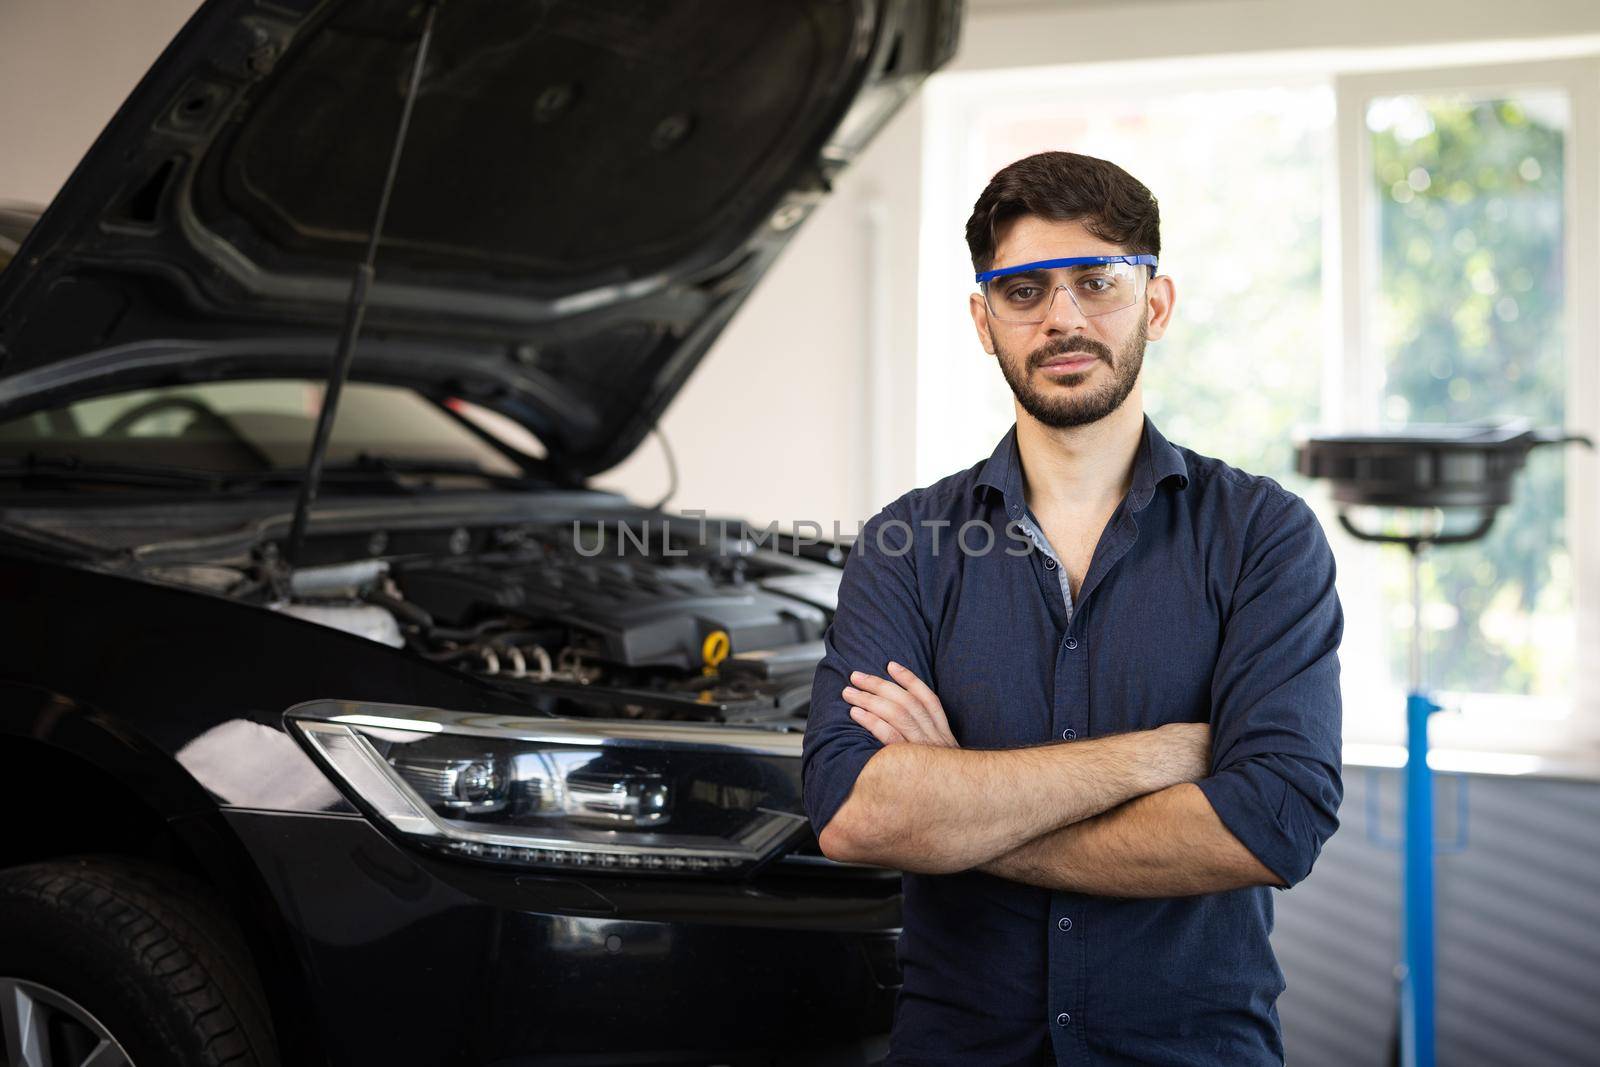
<point x="1070" y="404"/>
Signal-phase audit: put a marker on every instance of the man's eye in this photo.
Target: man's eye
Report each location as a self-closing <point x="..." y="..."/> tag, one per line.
<point x="1023" y="294"/>
<point x="1097" y="283"/>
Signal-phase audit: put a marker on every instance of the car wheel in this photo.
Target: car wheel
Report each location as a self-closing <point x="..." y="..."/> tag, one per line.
<point x="118" y="963"/>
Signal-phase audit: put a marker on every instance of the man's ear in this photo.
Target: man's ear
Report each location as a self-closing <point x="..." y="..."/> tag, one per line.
<point x="1160" y="295"/>
<point x="980" y="320"/>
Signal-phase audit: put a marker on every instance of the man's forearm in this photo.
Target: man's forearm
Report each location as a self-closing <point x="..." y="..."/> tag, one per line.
<point x="936" y="810"/>
<point x="1166" y="844"/>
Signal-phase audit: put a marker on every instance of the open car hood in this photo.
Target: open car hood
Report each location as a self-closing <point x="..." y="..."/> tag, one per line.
<point x="588" y="192"/>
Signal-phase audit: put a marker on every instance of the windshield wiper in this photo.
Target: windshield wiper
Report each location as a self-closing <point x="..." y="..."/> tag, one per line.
<point x="72" y="469"/>
<point x="409" y="475"/>
<point x="364" y="470"/>
<point x="397" y="468"/>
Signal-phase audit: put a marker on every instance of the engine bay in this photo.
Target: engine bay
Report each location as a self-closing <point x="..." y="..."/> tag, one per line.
<point x="639" y="626"/>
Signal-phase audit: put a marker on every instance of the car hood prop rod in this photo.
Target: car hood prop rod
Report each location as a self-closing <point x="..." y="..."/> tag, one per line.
<point x="356" y="309"/>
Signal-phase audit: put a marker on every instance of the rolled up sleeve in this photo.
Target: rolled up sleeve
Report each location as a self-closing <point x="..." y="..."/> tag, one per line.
<point x="878" y="619"/>
<point x="1275" y="703"/>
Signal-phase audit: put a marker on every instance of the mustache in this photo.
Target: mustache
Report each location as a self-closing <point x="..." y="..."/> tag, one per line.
<point x="1067" y="345"/>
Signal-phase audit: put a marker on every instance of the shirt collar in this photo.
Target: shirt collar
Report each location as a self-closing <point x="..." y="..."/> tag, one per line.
<point x="1155" y="462"/>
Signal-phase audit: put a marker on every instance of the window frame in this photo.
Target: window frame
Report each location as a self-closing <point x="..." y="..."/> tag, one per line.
<point x="1353" y="389"/>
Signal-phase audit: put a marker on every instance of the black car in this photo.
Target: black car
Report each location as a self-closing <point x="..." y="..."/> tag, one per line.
<point x="400" y="744"/>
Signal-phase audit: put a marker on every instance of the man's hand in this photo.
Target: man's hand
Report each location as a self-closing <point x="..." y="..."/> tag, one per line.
<point x="907" y="711"/>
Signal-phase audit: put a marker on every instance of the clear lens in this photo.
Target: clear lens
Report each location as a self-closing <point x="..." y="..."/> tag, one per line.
<point x="550" y="792"/>
<point x="1097" y="288"/>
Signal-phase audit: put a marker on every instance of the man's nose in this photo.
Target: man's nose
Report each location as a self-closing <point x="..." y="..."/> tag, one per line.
<point x="1064" y="315"/>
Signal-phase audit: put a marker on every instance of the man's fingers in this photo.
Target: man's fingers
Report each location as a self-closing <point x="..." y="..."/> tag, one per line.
<point x="892" y="712"/>
<point x="888" y="690"/>
<point x="884" y="688"/>
<point x="914" y="686"/>
<point x="876" y="726"/>
<point x="926" y="697"/>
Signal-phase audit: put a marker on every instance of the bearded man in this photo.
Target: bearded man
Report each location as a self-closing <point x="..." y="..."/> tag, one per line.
<point x="1085" y="693"/>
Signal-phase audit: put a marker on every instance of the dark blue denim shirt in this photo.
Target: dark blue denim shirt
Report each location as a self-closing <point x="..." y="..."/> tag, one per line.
<point x="1210" y="598"/>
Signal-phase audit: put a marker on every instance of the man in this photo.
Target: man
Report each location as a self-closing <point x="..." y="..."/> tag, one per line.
<point x="1093" y="746"/>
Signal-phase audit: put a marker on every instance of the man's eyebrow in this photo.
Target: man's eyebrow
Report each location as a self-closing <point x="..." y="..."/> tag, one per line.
<point x="1031" y="275"/>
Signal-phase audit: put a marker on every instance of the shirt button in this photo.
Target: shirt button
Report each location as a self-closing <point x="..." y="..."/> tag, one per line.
<point x="1068" y="734"/>
<point x="1065" y="924"/>
<point x="1063" y="1019"/>
<point x="1072" y="642"/>
<point x="1049" y="564"/>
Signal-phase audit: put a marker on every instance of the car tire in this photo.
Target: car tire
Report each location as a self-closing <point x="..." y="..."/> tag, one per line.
<point x="131" y="950"/>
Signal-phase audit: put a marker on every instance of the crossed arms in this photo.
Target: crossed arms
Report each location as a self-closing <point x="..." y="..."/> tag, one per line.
<point x="1183" y="809"/>
<point x="1056" y="816"/>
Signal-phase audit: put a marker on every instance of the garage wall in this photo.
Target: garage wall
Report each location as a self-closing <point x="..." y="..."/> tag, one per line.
<point x="65" y="66"/>
<point x="1029" y="33"/>
<point x="1518" y="926"/>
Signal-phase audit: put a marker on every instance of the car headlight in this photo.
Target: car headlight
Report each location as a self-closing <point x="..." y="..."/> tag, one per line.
<point x="629" y="795"/>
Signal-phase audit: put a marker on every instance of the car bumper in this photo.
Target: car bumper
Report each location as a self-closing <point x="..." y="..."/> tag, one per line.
<point x="417" y="959"/>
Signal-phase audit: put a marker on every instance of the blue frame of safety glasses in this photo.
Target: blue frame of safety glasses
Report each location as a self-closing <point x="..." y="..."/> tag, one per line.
<point x="1075" y="261"/>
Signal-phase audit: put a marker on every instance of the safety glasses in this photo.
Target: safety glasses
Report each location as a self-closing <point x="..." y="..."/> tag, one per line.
<point x="1098" y="285"/>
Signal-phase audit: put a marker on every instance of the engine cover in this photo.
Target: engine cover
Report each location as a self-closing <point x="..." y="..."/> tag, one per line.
<point x="640" y="611"/>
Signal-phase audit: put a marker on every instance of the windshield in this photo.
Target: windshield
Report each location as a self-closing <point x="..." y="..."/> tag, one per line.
<point x="244" y="427"/>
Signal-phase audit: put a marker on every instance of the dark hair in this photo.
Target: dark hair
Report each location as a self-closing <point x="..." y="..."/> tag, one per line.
<point x="1112" y="204"/>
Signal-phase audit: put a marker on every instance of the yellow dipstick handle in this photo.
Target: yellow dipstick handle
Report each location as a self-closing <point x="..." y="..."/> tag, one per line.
<point x="714" y="649"/>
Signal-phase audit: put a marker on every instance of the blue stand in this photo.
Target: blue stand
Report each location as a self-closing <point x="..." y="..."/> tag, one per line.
<point x="1416" y="983"/>
<point x="1417" y="847"/>
<point x="1432" y="469"/>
